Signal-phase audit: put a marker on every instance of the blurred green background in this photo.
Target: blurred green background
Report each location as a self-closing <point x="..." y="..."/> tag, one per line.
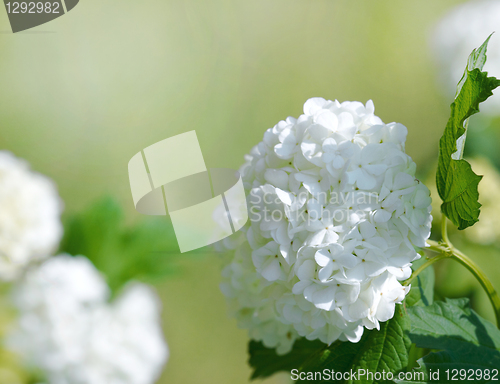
<point x="81" y="95"/>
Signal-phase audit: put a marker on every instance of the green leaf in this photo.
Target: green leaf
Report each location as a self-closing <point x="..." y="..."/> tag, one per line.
<point x="144" y="252"/>
<point x="265" y="362"/>
<point x="476" y="59"/>
<point x="456" y="182"/>
<point x="465" y="340"/>
<point x="95" y="232"/>
<point x="422" y="288"/>
<point x="378" y="350"/>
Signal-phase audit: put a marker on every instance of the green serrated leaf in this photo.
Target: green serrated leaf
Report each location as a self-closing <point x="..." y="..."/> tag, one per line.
<point x="385" y="350"/>
<point x="456" y="182"/>
<point x="265" y="362"/>
<point x="465" y="340"/>
<point x="476" y="59"/>
<point x="377" y="351"/>
<point x="422" y="288"/>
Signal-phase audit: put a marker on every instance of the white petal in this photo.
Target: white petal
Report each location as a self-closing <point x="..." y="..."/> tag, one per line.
<point x="306" y="270"/>
<point x="272" y="271"/>
<point x="277" y="177"/>
<point x="329" y="145"/>
<point x="366" y="181"/>
<point x="327" y="119"/>
<point x="324" y="298"/>
<point x="325" y="273"/>
<point x="338" y="162"/>
<point x="322" y="257"/>
<point x="382" y="216"/>
<point x="313" y="105"/>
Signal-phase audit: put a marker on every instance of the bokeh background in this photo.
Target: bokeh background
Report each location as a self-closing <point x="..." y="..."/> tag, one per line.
<point x="81" y="95"/>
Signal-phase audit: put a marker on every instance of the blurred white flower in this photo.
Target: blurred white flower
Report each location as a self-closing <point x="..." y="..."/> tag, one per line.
<point x="462" y="29"/>
<point x="68" y="330"/>
<point x="336" y="215"/>
<point x="30" y="209"/>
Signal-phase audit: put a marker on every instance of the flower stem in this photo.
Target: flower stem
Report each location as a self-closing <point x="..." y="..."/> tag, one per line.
<point x="483" y="280"/>
<point x="436" y="246"/>
<point x="446" y="250"/>
<point x="444" y="230"/>
<point x="429" y="262"/>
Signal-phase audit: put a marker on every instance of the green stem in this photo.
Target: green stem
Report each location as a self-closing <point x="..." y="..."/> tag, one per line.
<point x="425" y="265"/>
<point x="444" y="230"/>
<point x="446" y="249"/>
<point x="436" y="246"/>
<point x="412" y="358"/>
<point x="483" y="280"/>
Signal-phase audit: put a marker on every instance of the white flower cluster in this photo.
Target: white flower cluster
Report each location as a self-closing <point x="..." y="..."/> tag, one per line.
<point x="462" y="29"/>
<point x="335" y="215"/>
<point x="69" y="331"/>
<point x="30" y="209"/>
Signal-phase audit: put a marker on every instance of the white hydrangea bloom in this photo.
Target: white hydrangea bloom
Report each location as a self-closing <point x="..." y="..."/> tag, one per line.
<point x="30" y="209"/>
<point x="68" y="330"/>
<point x="336" y="216"/>
<point x="462" y="29"/>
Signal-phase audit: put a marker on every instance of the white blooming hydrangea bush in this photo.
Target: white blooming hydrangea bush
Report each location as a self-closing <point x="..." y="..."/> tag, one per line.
<point x="328" y="277"/>
<point x="336" y="219"/>
<point x="68" y="330"/>
<point x="30" y="209"/>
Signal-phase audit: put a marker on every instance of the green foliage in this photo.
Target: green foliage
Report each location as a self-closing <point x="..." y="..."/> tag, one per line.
<point x="450" y="335"/>
<point x="422" y="288"/>
<point x="455" y="180"/>
<point x="144" y="252"/>
<point x="265" y="362"/>
<point x="378" y="350"/>
<point x="463" y="339"/>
